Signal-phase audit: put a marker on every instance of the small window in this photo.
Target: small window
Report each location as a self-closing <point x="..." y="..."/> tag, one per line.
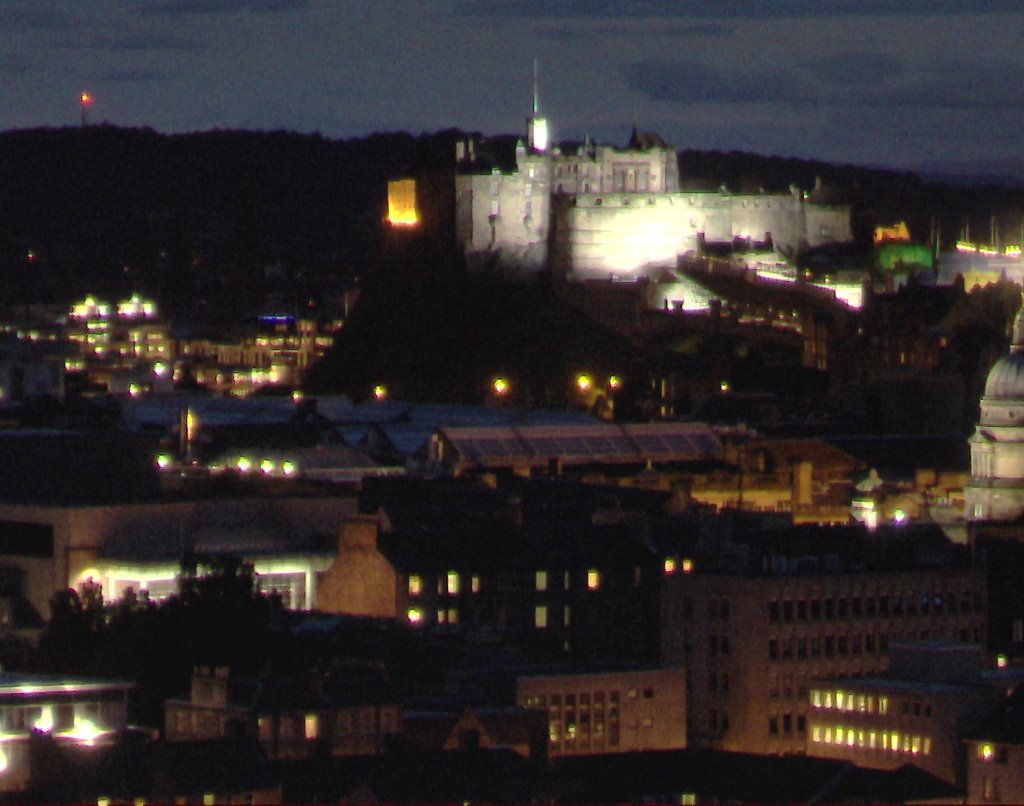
<point x="540" y="580"/>
<point x="312" y="726"/>
<point x="593" y="579"/>
<point x="453" y="583"/>
<point x="415" y="585"/>
<point x="540" y="617"/>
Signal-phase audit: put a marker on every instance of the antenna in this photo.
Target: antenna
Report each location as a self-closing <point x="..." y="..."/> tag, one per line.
<point x="536" y="100"/>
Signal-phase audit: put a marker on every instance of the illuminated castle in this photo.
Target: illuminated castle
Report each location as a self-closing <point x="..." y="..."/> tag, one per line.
<point x="601" y="212"/>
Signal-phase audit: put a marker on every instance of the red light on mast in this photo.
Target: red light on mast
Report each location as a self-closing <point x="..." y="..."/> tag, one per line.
<point x="85" y="99"/>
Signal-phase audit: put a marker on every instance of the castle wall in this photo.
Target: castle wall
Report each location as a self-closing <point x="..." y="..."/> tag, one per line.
<point x="620" y="214"/>
<point x="621" y="236"/>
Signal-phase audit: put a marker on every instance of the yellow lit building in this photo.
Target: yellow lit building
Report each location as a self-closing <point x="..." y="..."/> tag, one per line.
<point x="917" y="714"/>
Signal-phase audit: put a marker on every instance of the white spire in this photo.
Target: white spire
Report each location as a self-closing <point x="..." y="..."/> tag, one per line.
<point x="536" y="124"/>
<point x="536" y="96"/>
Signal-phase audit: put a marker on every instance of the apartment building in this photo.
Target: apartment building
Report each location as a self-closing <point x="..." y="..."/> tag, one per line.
<point x="753" y="646"/>
<point x="609" y="712"/>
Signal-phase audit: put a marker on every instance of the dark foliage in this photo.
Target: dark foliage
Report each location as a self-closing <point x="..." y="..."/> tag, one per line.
<point x="217" y="618"/>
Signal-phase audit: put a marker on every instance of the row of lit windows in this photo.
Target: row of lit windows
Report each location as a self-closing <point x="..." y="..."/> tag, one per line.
<point x="839" y="700"/>
<point x="450" y="615"/>
<point x="682" y="565"/>
<point x="889" y="740"/>
<point x="541" y="580"/>
<point x="874" y="606"/>
<point x="449" y="583"/>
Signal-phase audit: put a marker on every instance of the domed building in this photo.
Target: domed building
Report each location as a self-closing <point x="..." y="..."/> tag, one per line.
<point x="996" y="489"/>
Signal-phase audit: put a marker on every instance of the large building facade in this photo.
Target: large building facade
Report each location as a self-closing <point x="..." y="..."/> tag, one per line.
<point x="599" y="212"/>
<point x="752" y="646"/>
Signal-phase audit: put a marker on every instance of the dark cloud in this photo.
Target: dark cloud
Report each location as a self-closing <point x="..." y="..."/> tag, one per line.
<point x="144" y="43"/>
<point x="954" y="84"/>
<point x="174" y="7"/>
<point x="705" y="29"/>
<point x="13" y="65"/>
<point x="847" y="79"/>
<point x="131" y="76"/>
<point x="31" y="15"/>
<point x="731" y="9"/>
<point x="614" y="28"/>
<point x="855" y="68"/>
<point x="691" y="82"/>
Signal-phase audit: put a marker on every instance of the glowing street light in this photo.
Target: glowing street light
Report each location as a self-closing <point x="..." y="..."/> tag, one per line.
<point x="500" y="386"/>
<point x="584" y="382"/>
<point x="614" y="382"/>
<point x="380" y="392"/>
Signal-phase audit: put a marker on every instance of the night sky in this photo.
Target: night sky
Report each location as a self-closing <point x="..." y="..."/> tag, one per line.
<point x="898" y="83"/>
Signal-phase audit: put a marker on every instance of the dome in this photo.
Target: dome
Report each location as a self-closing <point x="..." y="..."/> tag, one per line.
<point x="1006" y="378"/>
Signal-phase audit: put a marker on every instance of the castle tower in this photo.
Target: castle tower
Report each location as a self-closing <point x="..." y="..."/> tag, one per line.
<point x="996" y="489"/>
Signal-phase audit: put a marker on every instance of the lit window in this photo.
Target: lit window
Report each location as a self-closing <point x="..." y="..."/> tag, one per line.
<point x="441" y="616"/>
<point x="540" y="617"/>
<point x="415" y="615"/>
<point x="566" y="616"/>
<point x="926" y="746"/>
<point x="474" y="583"/>
<point x="815" y="698"/>
<point x="312" y="725"/>
<point x="816" y="734"/>
<point x="453" y="583"/>
<point x="415" y="586"/>
<point x="687" y="565"/>
<point x="883" y="705"/>
<point x="670" y="565"/>
<point x="209" y="799"/>
<point x="453" y="615"/>
<point x="872" y="740"/>
<point x="541" y="580"/>
<point x="986" y="752"/>
<point x="593" y="579"/>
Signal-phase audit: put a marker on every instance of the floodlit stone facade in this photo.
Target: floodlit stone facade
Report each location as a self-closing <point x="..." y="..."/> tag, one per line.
<point x="607" y="213"/>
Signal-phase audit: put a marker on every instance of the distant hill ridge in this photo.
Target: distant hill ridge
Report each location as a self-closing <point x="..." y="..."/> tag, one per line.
<point x="222" y="218"/>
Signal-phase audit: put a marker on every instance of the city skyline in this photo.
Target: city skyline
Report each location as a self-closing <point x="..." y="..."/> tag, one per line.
<point x="881" y="83"/>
